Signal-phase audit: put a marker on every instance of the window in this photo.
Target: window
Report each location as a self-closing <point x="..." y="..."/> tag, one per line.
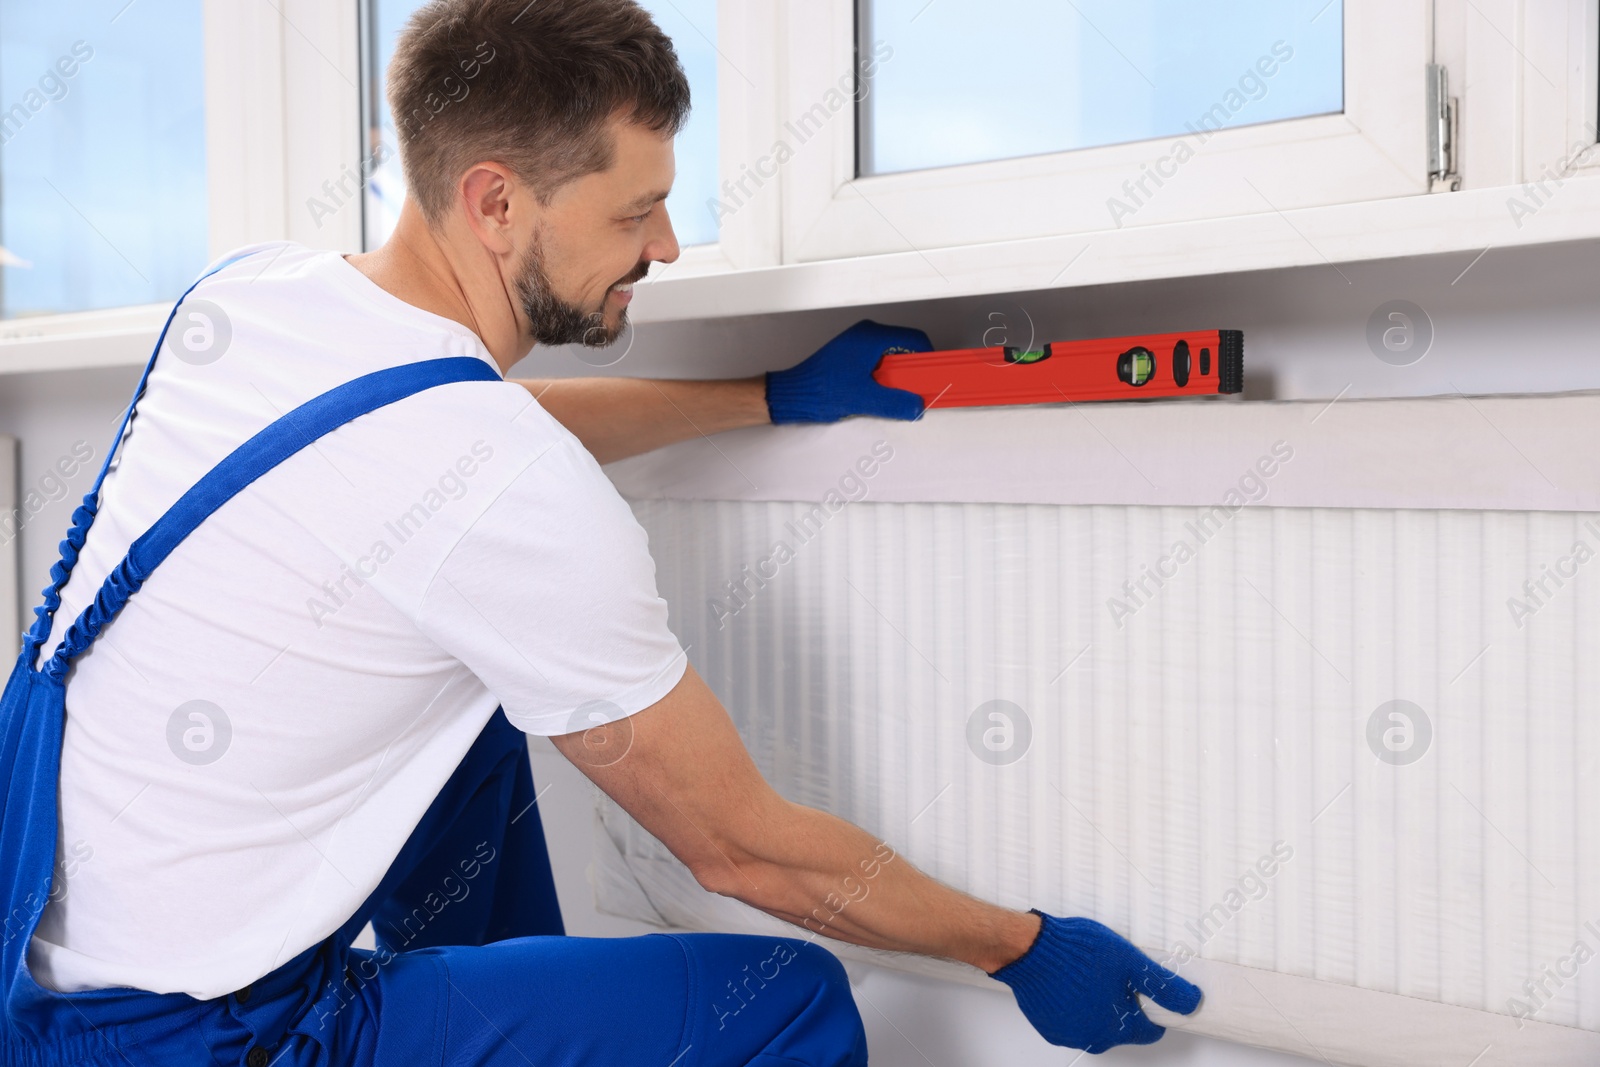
<point x="839" y="151"/>
<point x="1129" y="115"/>
<point x="103" y="192"/>
<point x="692" y="25"/>
<point x="1038" y="76"/>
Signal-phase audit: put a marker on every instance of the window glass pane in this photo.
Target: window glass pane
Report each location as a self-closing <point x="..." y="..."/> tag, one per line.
<point x="386" y="183"/>
<point x="1037" y="76"/>
<point x="692" y="25"/>
<point x="102" y="154"/>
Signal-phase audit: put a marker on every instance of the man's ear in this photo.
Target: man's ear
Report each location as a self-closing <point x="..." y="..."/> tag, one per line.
<point x="486" y="193"/>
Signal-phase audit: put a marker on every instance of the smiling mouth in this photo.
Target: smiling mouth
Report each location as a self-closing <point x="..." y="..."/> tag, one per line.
<point x="620" y="295"/>
<point x="623" y="290"/>
<point x="637" y="276"/>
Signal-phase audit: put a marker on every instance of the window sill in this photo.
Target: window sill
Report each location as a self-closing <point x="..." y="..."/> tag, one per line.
<point x="1469" y="222"/>
<point x="702" y="286"/>
<point x="118" y="337"/>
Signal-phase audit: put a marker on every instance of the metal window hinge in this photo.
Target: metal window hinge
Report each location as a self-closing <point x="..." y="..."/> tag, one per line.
<point x="1443" y="127"/>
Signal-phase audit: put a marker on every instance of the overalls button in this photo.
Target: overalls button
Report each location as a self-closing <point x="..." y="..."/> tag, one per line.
<point x="242" y="995"/>
<point x="257" y="1057"/>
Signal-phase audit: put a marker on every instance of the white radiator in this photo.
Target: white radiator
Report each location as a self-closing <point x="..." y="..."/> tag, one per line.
<point x="1333" y="757"/>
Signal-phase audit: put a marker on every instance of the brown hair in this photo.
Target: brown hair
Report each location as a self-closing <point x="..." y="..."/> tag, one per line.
<point x="530" y="85"/>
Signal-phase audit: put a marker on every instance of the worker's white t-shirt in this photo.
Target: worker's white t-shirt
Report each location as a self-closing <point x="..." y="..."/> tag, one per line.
<point x="251" y="741"/>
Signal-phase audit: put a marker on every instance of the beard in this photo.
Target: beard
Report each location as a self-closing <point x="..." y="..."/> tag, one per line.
<point x="553" y="321"/>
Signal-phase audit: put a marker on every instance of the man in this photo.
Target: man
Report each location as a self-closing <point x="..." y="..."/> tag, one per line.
<point x="304" y="718"/>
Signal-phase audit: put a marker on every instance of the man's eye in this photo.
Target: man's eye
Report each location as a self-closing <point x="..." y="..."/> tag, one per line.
<point x="639" y="218"/>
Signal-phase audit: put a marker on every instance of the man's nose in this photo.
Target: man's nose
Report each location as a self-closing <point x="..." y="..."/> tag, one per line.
<point x="664" y="248"/>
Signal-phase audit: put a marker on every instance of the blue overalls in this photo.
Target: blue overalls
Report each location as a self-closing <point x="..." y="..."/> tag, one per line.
<point x="488" y="980"/>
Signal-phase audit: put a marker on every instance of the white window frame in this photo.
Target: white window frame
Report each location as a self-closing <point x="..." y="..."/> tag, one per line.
<point x="1525" y="78"/>
<point x="891" y="238"/>
<point x="283" y="117"/>
<point x="1373" y="150"/>
<point x="748" y="43"/>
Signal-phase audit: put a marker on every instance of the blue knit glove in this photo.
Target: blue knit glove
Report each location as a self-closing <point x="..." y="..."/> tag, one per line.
<point x="1079" y="986"/>
<point x="836" y="380"/>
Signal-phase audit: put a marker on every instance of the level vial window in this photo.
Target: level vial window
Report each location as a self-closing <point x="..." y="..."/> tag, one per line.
<point x="1136" y="366"/>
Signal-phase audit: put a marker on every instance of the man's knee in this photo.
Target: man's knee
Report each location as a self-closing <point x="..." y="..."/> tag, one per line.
<point x="798" y="994"/>
<point x="820" y="966"/>
<point x="780" y="969"/>
<point x="828" y="1008"/>
<point x="816" y="968"/>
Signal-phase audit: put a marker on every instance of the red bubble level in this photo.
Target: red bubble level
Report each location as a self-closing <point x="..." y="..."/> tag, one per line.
<point x="1110" y="368"/>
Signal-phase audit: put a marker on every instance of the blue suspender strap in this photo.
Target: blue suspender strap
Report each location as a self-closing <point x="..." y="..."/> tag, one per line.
<point x="274" y="444"/>
<point x="84" y="514"/>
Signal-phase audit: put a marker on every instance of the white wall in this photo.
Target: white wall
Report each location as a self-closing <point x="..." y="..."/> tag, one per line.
<point x="1520" y="320"/>
<point x="49" y="414"/>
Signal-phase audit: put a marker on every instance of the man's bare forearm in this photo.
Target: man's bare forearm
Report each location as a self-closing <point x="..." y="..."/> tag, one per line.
<point x="688" y="780"/>
<point x="620" y="417"/>
<point x="831" y="877"/>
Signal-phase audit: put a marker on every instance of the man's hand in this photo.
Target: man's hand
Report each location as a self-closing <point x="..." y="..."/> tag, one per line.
<point x="836" y="380"/>
<point x="680" y="769"/>
<point x="1079" y="986"/>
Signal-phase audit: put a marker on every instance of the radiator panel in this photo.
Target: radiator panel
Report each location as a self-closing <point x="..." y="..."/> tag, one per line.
<point x="1183" y="725"/>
